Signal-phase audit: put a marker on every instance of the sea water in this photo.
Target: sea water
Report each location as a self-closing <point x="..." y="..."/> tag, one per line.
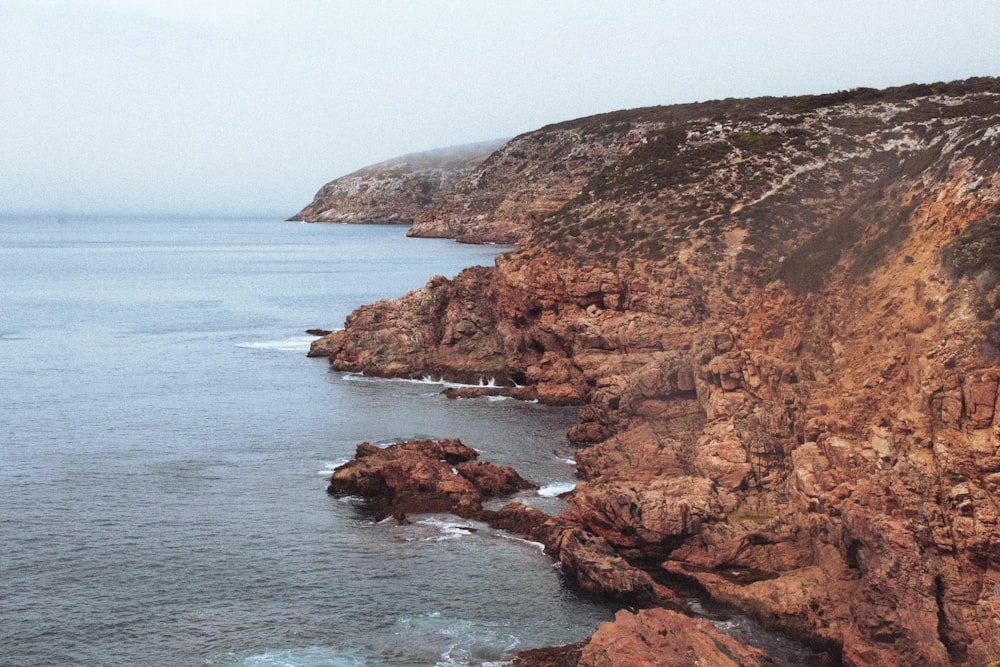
<point x="165" y="445"/>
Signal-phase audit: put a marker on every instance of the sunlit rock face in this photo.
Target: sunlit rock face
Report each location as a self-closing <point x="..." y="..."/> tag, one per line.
<point x="780" y="319"/>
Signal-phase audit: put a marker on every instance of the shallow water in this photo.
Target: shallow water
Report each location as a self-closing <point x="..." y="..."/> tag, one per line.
<point x="165" y="444"/>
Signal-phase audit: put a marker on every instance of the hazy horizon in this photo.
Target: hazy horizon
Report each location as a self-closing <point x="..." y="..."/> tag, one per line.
<point x="179" y="108"/>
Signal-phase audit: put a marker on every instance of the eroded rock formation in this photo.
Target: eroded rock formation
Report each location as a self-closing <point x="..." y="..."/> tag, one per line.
<point x="663" y="638"/>
<point x="428" y="476"/>
<point x="781" y="320"/>
<point x="424" y="476"/>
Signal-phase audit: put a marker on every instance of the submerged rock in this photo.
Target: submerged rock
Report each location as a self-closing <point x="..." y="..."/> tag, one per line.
<point x="556" y="656"/>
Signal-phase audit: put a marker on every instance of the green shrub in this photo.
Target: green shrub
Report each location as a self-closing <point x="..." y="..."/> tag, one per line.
<point x="756" y="142"/>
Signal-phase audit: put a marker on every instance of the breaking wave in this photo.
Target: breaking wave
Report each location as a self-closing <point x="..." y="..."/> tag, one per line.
<point x="427" y="379"/>
<point x="293" y="344"/>
<point x="315" y="656"/>
<point x="557" y="489"/>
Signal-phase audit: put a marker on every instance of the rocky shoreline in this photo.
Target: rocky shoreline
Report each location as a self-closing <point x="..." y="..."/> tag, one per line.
<point x="781" y="321"/>
<point x="419" y="477"/>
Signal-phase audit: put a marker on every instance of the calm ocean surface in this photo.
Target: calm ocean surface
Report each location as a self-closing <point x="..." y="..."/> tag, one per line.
<point x="165" y="443"/>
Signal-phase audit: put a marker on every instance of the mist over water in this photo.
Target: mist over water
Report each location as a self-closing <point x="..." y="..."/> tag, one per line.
<point x="165" y="447"/>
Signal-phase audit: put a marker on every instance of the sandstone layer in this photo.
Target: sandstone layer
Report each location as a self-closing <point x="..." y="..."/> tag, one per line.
<point x="781" y="320"/>
<point x="395" y="191"/>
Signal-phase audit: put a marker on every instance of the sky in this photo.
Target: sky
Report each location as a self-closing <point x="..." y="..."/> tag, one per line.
<point x="227" y="107"/>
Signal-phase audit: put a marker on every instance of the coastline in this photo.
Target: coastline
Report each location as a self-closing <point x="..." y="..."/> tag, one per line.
<point x="784" y="351"/>
<point x="402" y="481"/>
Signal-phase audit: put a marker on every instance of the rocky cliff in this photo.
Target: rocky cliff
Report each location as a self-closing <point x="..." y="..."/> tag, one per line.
<point x="780" y="320"/>
<point x="396" y="191"/>
<point x="535" y="174"/>
<point x="526" y="180"/>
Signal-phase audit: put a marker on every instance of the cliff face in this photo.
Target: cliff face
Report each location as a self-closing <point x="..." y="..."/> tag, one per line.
<point x="780" y="318"/>
<point x="396" y="191"/>
<point x="526" y="180"/>
<point x="537" y="173"/>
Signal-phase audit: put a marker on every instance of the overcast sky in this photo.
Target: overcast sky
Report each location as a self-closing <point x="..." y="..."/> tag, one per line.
<point x="248" y="107"/>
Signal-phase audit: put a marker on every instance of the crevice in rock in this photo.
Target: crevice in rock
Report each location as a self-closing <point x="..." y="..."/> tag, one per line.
<point x="851" y="559"/>
<point x="949" y="636"/>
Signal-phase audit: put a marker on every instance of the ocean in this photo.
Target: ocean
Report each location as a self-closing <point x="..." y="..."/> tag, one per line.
<point x="166" y="445"/>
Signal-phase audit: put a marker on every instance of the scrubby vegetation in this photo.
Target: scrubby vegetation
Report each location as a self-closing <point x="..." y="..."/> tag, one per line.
<point x="808" y="185"/>
<point x="978" y="247"/>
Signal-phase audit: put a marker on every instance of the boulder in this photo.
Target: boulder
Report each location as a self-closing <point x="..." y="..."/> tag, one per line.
<point x="423" y="476"/>
<point x="652" y="516"/>
<point x="597" y="568"/>
<point x="663" y="638"/>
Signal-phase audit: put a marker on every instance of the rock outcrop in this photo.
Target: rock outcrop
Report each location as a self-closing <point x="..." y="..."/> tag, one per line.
<point x="781" y="320"/>
<point x="429" y="476"/>
<point x="423" y="476"/>
<point x="663" y="638"/>
<point x="395" y="191"/>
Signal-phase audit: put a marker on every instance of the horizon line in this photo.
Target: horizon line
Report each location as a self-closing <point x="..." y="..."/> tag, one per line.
<point x="176" y="215"/>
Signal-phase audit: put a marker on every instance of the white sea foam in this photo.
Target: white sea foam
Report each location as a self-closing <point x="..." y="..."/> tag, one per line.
<point x="313" y="656"/>
<point x="696" y="606"/>
<point x="728" y="626"/>
<point x="472" y="643"/>
<point x="468" y="642"/>
<point x="447" y="529"/>
<point x="427" y="379"/>
<point x="515" y="538"/>
<point x="293" y="344"/>
<point x="556" y="489"/>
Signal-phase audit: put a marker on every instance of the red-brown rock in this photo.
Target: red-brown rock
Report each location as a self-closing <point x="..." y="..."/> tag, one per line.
<point x="423" y="476"/>
<point x="597" y="568"/>
<point x="647" y="515"/>
<point x="493" y="480"/>
<point x="782" y="318"/>
<point x="556" y="656"/>
<point x="663" y="638"/>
